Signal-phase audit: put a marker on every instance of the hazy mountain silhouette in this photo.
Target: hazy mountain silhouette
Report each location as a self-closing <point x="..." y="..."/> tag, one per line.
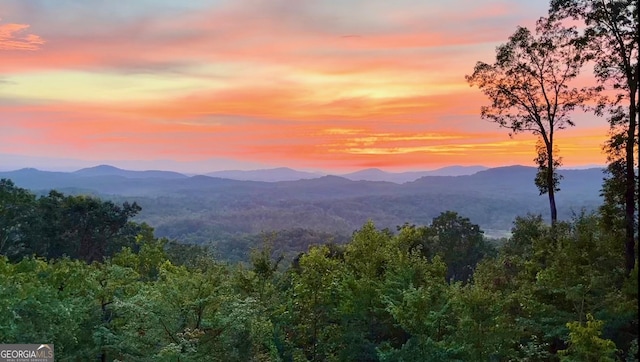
<point x="106" y="170"/>
<point x="198" y="207"/>
<point x="375" y="174"/>
<point x="266" y="175"/>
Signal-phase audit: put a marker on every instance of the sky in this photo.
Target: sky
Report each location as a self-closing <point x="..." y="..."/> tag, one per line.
<point x="332" y="85"/>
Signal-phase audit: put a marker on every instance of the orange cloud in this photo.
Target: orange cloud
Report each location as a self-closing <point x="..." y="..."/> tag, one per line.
<point x="99" y="132"/>
<point x="13" y="37"/>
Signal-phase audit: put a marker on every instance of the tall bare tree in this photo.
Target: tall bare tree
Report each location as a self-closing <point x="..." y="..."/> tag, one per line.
<point x="529" y="89"/>
<point x="612" y="33"/>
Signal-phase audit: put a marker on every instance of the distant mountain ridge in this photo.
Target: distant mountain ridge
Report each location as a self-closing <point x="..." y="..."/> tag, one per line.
<point x="375" y="174"/>
<point x="198" y="208"/>
<point x="370" y="174"/>
<point x="107" y="170"/>
<point x="266" y="175"/>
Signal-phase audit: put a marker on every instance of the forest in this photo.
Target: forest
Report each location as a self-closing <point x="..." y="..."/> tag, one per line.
<point x="78" y="271"/>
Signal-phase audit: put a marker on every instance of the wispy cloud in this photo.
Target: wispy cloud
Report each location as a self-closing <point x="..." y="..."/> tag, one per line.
<point x="16" y="37"/>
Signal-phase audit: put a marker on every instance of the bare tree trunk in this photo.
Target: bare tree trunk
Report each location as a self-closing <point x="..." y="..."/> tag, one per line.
<point x="635" y="108"/>
<point x="630" y="189"/>
<point x="633" y="81"/>
<point x="552" y="206"/>
<point x="550" y="181"/>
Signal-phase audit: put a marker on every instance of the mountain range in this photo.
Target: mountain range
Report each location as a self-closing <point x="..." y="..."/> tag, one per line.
<point x="203" y="208"/>
<point x="370" y="174"/>
<point x="264" y="175"/>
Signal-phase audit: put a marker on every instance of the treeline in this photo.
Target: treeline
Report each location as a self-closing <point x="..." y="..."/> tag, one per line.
<point x="55" y="225"/>
<point x="418" y="293"/>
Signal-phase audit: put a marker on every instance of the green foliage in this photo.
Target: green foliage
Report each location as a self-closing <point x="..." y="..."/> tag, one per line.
<point x="262" y="261"/>
<point x="189" y="255"/>
<point x="426" y="293"/>
<point x="585" y="344"/>
<point x="421" y="349"/>
<point x="48" y="302"/>
<point x="315" y="298"/>
<point x="16" y="205"/>
<point x="84" y="227"/>
<point x="417" y="297"/>
<point x="525" y="232"/>
<point x="543" y="177"/>
<point x="547" y="279"/>
<point x="55" y="225"/>
<point x="459" y="242"/>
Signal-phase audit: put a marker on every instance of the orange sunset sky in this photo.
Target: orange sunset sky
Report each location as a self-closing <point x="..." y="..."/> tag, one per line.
<point x="332" y="85"/>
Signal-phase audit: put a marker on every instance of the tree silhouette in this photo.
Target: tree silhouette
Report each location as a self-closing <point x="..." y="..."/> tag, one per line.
<point x="612" y="33"/>
<point x="529" y="89"/>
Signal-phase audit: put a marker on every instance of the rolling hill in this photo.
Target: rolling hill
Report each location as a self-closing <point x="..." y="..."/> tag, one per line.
<point x="208" y="209"/>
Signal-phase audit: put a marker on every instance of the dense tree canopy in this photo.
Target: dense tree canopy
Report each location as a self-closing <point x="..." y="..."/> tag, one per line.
<point x="383" y="296"/>
<point x="56" y="225"/>
<point x="438" y="292"/>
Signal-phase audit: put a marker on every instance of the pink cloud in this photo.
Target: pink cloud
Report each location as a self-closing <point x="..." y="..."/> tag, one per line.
<point x="110" y="134"/>
<point x="15" y="37"/>
<point x="262" y="33"/>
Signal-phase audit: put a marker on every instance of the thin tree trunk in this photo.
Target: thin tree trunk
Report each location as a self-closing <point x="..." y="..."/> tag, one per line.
<point x="550" y="184"/>
<point x="552" y="206"/>
<point x="633" y="80"/>
<point x="634" y="108"/>
<point x="630" y="189"/>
